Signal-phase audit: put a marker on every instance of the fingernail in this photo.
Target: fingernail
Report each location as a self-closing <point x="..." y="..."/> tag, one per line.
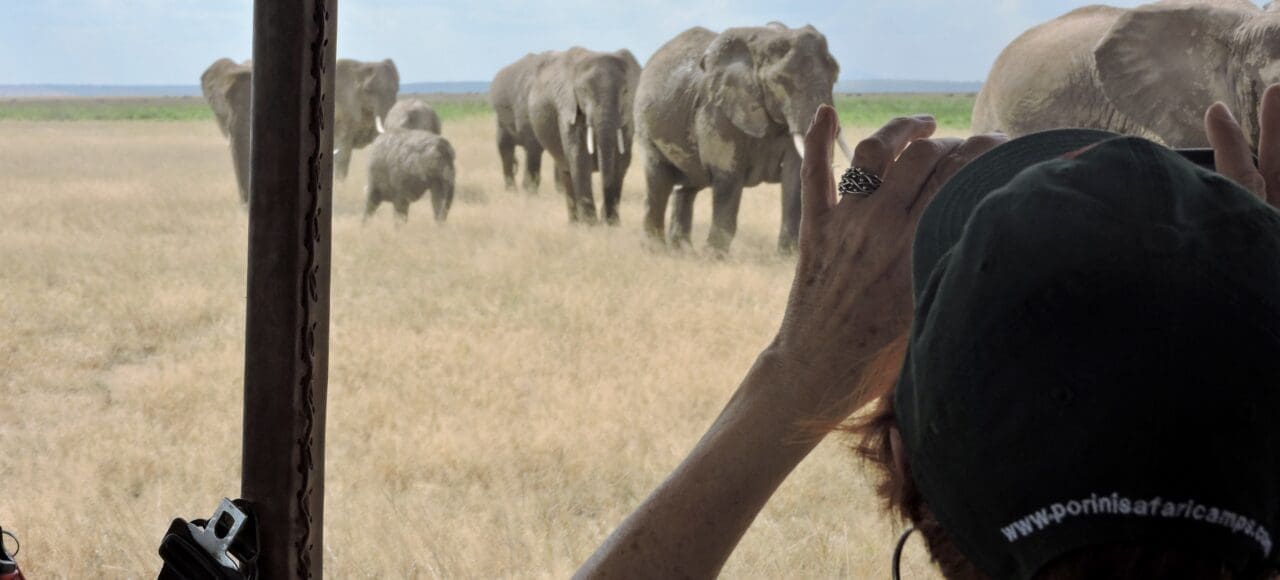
<point x="1220" y="108"/>
<point x="820" y="116"/>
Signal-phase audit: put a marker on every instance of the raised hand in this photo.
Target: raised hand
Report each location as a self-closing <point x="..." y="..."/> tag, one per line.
<point x="1231" y="153"/>
<point x="852" y="292"/>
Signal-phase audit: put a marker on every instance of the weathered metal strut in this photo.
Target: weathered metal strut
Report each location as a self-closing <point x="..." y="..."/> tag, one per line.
<point x="287" y="322"/>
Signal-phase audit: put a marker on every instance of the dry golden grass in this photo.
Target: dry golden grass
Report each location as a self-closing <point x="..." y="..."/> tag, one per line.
<point x="504" y="389"/>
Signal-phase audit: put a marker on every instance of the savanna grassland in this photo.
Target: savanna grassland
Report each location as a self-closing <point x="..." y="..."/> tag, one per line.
<point x="503" y="388"/>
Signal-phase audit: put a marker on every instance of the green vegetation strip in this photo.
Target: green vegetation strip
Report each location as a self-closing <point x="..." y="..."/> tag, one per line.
<point x="157" y="109"/>
<point x="952" y="110"/>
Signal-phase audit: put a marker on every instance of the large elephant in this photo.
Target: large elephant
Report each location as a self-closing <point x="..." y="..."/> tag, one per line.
<point x="403" y="165"/>
<point x="580" y="109"/>
<point x="509" y="95"/>
<point x="727" y="111"/>
<point x="413" y="114"/>
<point x="227" y="87"/>
<point x="364" y="94"/>
<point x="1149" y="71"/>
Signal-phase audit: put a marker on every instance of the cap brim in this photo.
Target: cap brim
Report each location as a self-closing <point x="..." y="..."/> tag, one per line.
<point x="944" y="220"/>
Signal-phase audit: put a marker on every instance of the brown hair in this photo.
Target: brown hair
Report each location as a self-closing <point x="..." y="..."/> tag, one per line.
<point x="873" y="434"/>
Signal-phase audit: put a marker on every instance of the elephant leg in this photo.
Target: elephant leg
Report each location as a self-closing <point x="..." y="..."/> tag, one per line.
<point x="682" y="216"/>
<point x="341" y="161"/>
<point x="566" y="183"/>
<point x="371" y="203"/>
<point x="789" y="233"/>
<point x="579" y="174"/>
<point x="612" y="195"/>
<point x="402" y="210"/>
<point x="532" y="168"/>
<point x="507" y="150"/>
<point x="559" y="178"/>
<point x="240" y="158"/>
<point x="659" y="179"/>
<point x="726" y="194"/>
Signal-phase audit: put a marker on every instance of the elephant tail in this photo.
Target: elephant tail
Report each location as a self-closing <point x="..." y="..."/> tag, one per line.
<point x="444" y="150"/>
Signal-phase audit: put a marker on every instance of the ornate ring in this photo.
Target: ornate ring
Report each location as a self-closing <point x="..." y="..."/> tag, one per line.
<point x="858" y="181"/>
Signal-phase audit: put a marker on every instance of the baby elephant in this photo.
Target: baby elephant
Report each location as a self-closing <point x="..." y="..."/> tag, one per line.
<point x="413" y="114"/>
<point x="403" y="165"/>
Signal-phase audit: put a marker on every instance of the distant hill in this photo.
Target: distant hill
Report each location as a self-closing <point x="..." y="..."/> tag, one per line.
<point x="106" y="91"/>
<point x="461" y="87"/>
<point x="905" y="86"/>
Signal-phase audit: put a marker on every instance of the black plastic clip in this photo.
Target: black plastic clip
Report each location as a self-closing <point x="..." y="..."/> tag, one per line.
<point x="224" y="547"/>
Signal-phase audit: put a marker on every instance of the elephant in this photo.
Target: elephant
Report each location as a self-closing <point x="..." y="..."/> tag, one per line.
<point x="403" y="165"/>
<point x="509" y="96"/>
<point x="580" y="112"/>
<point x="226" y="86"/>
<point x="364" y="93"/>
<point x="1149" y="71"/>
<point x="413" y="114"/>
<point x="727" y="110"/>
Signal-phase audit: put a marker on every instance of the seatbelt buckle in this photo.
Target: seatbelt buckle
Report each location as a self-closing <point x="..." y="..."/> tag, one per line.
<point x="223" y="547"/>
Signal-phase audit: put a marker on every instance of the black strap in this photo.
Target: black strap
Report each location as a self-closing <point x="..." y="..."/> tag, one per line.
<point x="185" y="559"/>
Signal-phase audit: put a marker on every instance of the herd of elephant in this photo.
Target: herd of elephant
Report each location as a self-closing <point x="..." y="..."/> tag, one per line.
<point x="726" y="110"/>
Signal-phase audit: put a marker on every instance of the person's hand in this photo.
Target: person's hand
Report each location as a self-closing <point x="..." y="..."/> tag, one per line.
<point x="851" y="295"/>
<point x="1231" y="153"/>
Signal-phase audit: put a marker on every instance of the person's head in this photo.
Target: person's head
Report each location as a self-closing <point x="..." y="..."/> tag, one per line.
<point x="1091" y="385"/>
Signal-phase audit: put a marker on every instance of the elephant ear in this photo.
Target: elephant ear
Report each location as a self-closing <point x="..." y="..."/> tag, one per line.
<point x="393" y="73"/>
<point x="633" y="79"/>
<point x="211" y="85"/>
<point x="1164" y="64"/>
<point x="731" y="83"/>
<point x="632" y="63"/>
<point x="239" y="94"/>
<point x="563" y="88"/>
<point x="227" y="87"/>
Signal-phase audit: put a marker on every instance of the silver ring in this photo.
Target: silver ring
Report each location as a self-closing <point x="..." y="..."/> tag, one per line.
<point x="858" y="181"/>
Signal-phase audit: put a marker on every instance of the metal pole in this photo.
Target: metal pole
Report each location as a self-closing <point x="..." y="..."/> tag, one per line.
<point x="287" y="321"/>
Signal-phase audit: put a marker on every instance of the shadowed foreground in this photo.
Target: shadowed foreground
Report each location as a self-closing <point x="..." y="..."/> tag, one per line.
<point x="503" y="389"/>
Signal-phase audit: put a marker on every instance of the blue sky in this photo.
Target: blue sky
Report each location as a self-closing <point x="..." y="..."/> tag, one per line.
<point x="171" y="41"/>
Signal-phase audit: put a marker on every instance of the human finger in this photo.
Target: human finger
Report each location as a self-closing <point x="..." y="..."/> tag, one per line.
<point x="1269" y="143"/>
<point x="817" y="184"/>
<point x="877" y="152"/>
<point x="1231" y="154"/>
<point x="971" y="149"/>
<point x="908" y="176"/>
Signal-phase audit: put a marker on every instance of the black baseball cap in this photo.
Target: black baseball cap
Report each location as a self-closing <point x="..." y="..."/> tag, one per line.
<point x="1095" y="356"/>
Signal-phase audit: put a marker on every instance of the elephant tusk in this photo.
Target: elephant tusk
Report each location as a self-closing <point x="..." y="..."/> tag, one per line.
<point x="844" y="148"/>
<point x="622" y="143"/>
<point x="591" y="146"/>
<point x="799" y="141"/>
<point x="377" y="122"/>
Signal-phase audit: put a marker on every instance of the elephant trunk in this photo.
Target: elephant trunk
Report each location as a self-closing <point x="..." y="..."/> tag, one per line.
<point x="610" y="157"/>
<point x="798" y="115"/>
<point x="607" y="151"/>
